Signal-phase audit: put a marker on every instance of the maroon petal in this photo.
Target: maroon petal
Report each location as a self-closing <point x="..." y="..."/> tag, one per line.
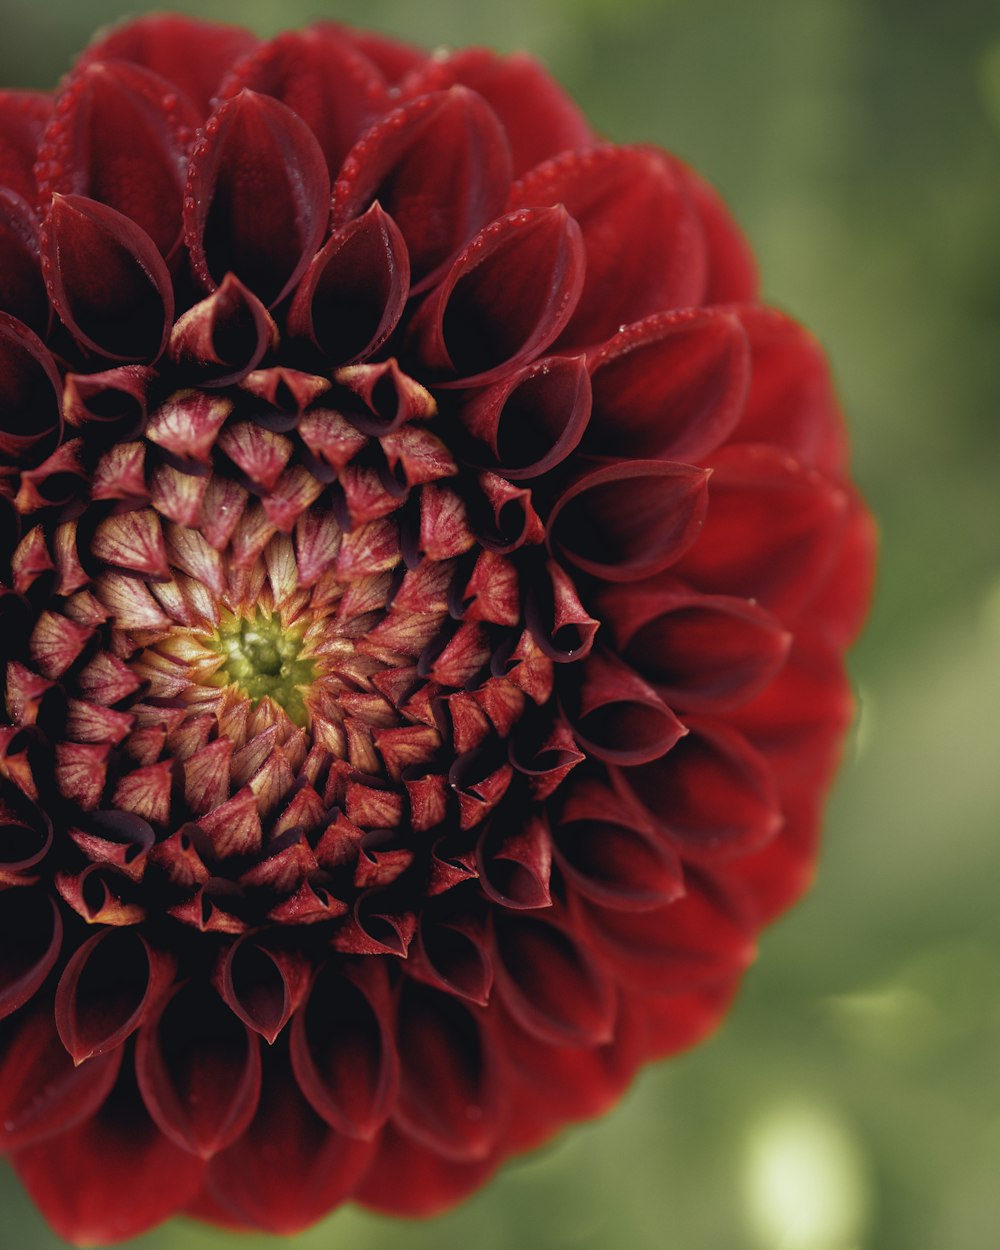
<point x="22" y="288"/>
<point x="550" y="985"/>
<point x="111" y="1177"/>
<point x="30" y="391"/>
<point x="644" y="248"/>
<point x="256" y="199"/>
<point x="116" y="396"/>
<point x="732" y="271"/>
<point x="198" y="1070"/>
<point x="186" y="51"/>
<point x="107" y="279"/>
<point x="559" y="623"/>
<point x="343" y="1050"/>
<point x="354" y="291"/>
<point x="539" y="117"/>
<point x="408" y="1182"/>
<point x="224" y="337"/>
<point x="450" y="955"/>
<point x="616" y="716"/>
<point x="505" y="299"/>
<point x="392" y="57"/>
<point x="439" y="166"/>
<point x="515" y="864"/>
<point x="449" y="1096"/>
<point x="262" y="985"/>
<point x="121" y="136"/>
<point x="23" y="118"/>
<point x="107" y="989"/>
<point x="31" y="931"/>
<point x="332" y="86"/>
<point x="713" y="794"/>
<point x="42" y="1091"/>
<point x="671" y="387"/>
<point x="629" y="520"/>
<point x="533" y="419"/>
<point x="289" y="1168"/>
<point x="701" y="652"/>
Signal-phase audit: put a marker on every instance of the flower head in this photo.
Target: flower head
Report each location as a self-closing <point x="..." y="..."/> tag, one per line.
<point x="426" y="575"/>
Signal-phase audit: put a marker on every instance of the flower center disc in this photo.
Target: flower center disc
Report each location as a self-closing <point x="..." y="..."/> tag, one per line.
<point x="264" y="659"/>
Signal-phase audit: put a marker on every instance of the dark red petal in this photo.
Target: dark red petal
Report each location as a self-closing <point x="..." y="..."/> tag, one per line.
<point x="616" y="716"/>
<point x="644" y="248"/>
<point x="676" y="1021"/>
<point x="773" y="530"/>
<point x="332" y="86"/>
<point x="450" y="955"/>
<point x="505" y="299"/>
<point x="791" y="401"/>
<point x="842" y="602"/>
<point x="121" y="136"/>
<point x="629" y="520"/>
<point x="514" y="860"/>
<point x="343" y="1050"/>
<point x="701" y="652"/>
<point x="671" y="387"/>
<point x="31" y="934"/>
<point x="550" y="984"/>
<point x="393" y="57"/>
<point x="107" y="279"/>
<point x="112" y="1177"/>
<point x="732" y="271"/>
<point x="22" y="288"/>
<point x="23" y="117"/>
<point x="256" y="198"/>
<point x="450" y="1097"/>
<point x="289" y="1168"/>
<point x="30" y="391"/>
<point x="224" y="337"/>
<point x="713" y="795"/>
<point x="107" y="989"/>
<point x="559" y="623"/>
<point x="539" y="117"/>
<point x="404" y="1180"/>
<point x="262" y="984"/>
<point x="439" y="166"/>
<point x="42" y="1091"/>
<point x="186" y="51"/>
<point x="198" y="1070"/>
<point x="353" y="293"/>
<point x="534" y="418"/>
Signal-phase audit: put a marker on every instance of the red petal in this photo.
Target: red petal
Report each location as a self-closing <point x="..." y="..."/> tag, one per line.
<point x="616" y="716"/>
<point x="30" y="391"/>
<point x="224" y="337"/>
<point x="407" y="1181"/>
<point x="440" y="166"/>
<point x="22" y="288"/>
<point x="393" y="57"/>
<point x="732" y="271"/>
<point x="629" y="520"/>
<point x="538" y="116"/>
<point x="355" y="289"/>
<point x="262" y="985"/>
<point x="515" y="864"/>
<point x="257" y="195"/>
<point x="32" y="930"/>
<point x="107" y="279"/>
<point x="505" y="299"/>
<point x="450" y="955"/>
<point x="23" y="117"/>
<point x="644" y="249"/>
<point x="198" y="1070"/>
<point x="671" y="387"/>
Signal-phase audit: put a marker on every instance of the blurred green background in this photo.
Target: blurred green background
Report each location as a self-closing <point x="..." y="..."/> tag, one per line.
<point x="852" y="1101"/>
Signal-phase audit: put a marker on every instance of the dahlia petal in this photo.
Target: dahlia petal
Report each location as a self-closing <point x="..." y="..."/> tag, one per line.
<point x="671" y="387"/>
<point x="533" y="419"/>
<point x="842" y="602"/>
<point x="732" y="271"/>
<point x="332" y="86"/>
<point x="101" y="895"/>
<point x="449" y="1093"/>
<point x="198" y="1070"/>
<point x="629" y="520"/>
<point x="263" y="219"/>
<point x="114" y="396"/>
<point x="120" y="838"/>
<point x="107" y="279"/>
<point x="546" y="762"/>
<point x="262" y="984"/>
<point x="515" y="865"/>
<point x="30" y="391"/>
<point x="439" y="166"/>
<point x="354" y="291"/>
<point x="772" y="533"/>
<point x="107" y="989"/>
<point x="509" y="519"/>
<point x="450" y="955"/>
<point x="23" y="118"/>
<point x="186" y="51"/>
<point x="559" y="623"/>
<point x="187" y="426"/>
<point x="643" y="245"/>
<point x="32" y="930"/>
<point x="392" y="399"/>
<point x="111" y="1177"/>
<point x="120" y="136"/>
<point x="224" y="337"/>
<point x="392" y="57"/>
<point x="713" y="795"/>
<point x="616" y="716"/>
<point x="493" y="591"/>
<point x="42" y="1092"/>
<point x="610" y="855"/>
<point x="56" y="642"/>
<point x="419" y="1182"/>
<point x="343" y="1051"/>
<point x="22" y="288"/>
<point x="132" y="541"/>
<point x="703" y="653"/>
<point x="537" y="115"/>
<point x="552" y="988"/>
<point x="675" y="1022"/>
<point x="55" y="481"/>
<point x="505" y="299"/>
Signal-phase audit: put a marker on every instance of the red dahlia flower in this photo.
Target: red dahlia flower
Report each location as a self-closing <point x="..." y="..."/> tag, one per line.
<point x="426" y="576"/>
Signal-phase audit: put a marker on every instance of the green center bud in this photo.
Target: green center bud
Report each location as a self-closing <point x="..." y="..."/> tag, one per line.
<point x="264" y="659"/>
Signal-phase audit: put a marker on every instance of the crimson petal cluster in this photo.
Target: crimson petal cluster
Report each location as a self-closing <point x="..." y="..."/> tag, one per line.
<point x="426" y="570"/>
